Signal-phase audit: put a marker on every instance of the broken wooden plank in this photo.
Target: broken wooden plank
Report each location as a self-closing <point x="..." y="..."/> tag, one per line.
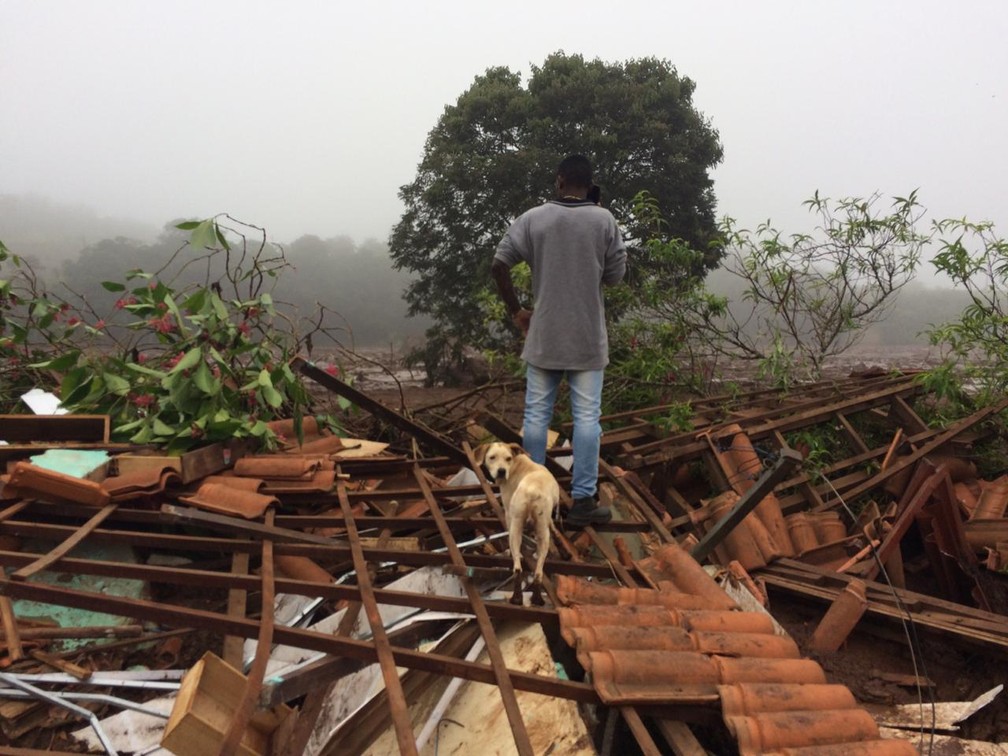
<point x="54" y="429"/>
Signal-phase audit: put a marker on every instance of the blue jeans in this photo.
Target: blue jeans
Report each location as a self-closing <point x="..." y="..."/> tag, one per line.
<point x="586" y="407"/>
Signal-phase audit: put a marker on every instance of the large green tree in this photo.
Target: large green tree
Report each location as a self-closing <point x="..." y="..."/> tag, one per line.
<point x="494" y="153"/>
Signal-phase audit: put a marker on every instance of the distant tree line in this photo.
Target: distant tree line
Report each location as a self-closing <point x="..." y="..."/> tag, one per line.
<point x="354" y="283"/>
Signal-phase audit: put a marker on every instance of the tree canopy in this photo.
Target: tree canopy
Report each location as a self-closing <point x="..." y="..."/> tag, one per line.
<point x="493" y="154"/>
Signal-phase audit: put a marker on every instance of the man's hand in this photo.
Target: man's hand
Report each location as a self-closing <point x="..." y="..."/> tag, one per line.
<point x="522" y="319"/>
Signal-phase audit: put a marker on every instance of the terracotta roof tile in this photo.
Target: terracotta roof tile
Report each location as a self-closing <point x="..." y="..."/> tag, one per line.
<point x="864" y="748"/>
<point x="640" y="648"/>
<point x="140" y="482"/>
<point x="573" y="591"/>
<point x="785" y="729"/>
<point x="218" y="497"/>
<point x="674" y="565"/>
<point x="31" y="480"/>
<point x="992" y="502"/>
<point x="235" y="481"/>
<point x="290" y="467"/>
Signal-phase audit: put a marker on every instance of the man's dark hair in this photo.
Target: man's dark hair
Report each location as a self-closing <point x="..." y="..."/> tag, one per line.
<point x="576" y="171"/>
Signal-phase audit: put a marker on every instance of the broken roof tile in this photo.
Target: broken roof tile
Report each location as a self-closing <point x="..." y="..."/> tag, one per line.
<point x="31" y="480"/>
<point x="278" y="466"/>
<point x="140" y="482"/>
<point x="218" y="497"/>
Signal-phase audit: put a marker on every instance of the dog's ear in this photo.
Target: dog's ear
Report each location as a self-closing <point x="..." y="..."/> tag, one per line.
<point x="479" y="453"/>
<point x="516" y="449"/>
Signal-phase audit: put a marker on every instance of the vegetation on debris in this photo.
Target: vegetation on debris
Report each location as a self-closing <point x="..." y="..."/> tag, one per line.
<point x="976" y="259"/>
<point x="175" y="365"/>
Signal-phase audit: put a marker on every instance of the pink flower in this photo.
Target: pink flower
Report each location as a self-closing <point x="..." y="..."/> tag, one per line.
<point x="245" y="328"/>
<point x="173" y="361"/>
<point x="163" y="324"/>
<point x="99" y="324"/>
<point x="152" y="285"/>
<point x="141" y="358"/>
<point x="72" y="321"/>
<point x="332" y="370"/>
<point x="143" y="400"/>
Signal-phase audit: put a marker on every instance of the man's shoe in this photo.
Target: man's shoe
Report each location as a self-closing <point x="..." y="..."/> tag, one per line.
<point x="586" y="511"/>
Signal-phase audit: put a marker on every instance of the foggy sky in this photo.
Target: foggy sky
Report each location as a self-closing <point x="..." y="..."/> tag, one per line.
<point x="306" y="117"/>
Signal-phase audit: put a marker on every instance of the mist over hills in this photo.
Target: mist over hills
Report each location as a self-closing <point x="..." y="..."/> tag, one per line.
<point x="48" y="232"/>
<point x="73" y="244"/>
<point x="353" y="279"/>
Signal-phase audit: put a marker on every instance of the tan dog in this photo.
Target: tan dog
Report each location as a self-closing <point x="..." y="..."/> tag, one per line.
<point x="530" y="493"/>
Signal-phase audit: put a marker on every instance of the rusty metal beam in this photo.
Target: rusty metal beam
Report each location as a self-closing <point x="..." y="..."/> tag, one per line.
<point x="228" y="546"/>
<point x="800" y="415"/>
<point x="398" y="707"/>
<point x="68" y="543"/>
<point x="940" y="440"/>
<point x="965" y="623"/>
<point x="331" y="591"/>
<point x="227" y="524"/>
<point x="185" y="617"/>
<point x="420" y="432"/>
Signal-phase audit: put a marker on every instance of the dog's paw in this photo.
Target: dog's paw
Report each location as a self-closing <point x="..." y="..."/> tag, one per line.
<point x="517" y="599"/>
<point x="537" y="600"/>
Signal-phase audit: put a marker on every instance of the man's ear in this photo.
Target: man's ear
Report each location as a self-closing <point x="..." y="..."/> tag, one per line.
<point x="516" y="449"/>
<point x="479" y="453"/>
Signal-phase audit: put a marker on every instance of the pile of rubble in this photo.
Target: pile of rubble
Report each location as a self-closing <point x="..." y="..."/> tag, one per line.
<point x="349" y="596"/>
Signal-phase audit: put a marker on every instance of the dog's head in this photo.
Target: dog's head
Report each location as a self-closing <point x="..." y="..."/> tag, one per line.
<point x="496" y="459"/>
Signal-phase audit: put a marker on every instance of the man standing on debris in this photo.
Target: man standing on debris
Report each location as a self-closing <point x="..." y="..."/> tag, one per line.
<point x="573" y="247"/>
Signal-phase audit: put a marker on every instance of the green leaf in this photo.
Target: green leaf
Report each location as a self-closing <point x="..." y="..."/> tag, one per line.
<point x="162" y="428"/>
<point x="136" y="368"/>
<point x="273" y="397"/>
<point x="189" y="360"/>
<point x="259" y="429"/>
<point x="74" y="384"/>
<point x="113" y="286"/>
<point x="264" y="379"/>
<point x="174" y="310"/>
<point x="267" y="302"/>
<point x="220" y="309"/>
<point x="204" y="235"/>
<point x="220" y="237"/>
<point x="59" y="364"/>
<point x="187" y="225"/>
<point x="196" y="302"/>
<point x="204" y="380"/>
<point x="116" y="384"/>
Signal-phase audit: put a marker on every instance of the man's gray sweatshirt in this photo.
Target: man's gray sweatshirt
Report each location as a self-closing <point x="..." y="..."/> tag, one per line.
<point x="573" y="249"/>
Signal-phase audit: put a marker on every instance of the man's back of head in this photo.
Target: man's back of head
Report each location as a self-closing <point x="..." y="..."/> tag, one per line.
<point x="576" y="172"/>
